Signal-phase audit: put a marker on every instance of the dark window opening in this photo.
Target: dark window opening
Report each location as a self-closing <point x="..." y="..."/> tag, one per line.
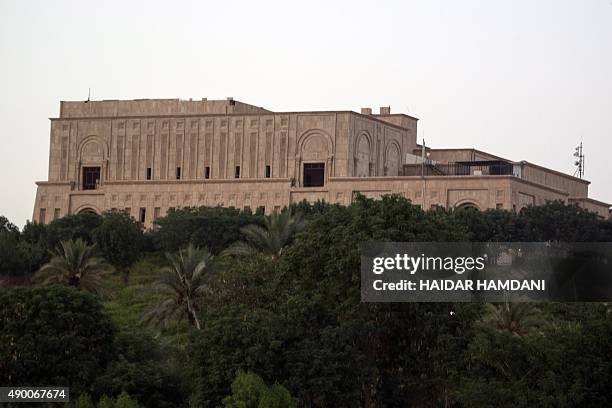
<point x="91" y="178"/>
<point x="207" y="172"/>
<point x="178" y="173"/>
<point x="268" y="171"/>
<point x="261" y="210"/>
<point x="56" y="213"/>
<point x="41" y="216"/>
<point x="142" y="216"/>
<point x="237" y="172"/>
<point x="149" y="173"/>
<point x="314" y="174"/>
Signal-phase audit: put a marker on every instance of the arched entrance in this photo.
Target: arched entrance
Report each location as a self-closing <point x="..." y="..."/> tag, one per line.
<point x="467" y="205"/>
<point x="87" y="209"/>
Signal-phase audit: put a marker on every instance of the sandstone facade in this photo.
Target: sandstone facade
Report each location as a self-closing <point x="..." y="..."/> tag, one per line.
<point x="146" y="156"/>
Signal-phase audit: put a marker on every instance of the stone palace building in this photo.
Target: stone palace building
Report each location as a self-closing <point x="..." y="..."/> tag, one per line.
<point x="147" y="156"/>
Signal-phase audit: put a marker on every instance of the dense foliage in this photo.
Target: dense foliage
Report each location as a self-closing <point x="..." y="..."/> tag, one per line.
<point x="119" y="239"/>
<point x="250" y="391"/>
<point x="144" y="368"/>
<point x="13" y="258"/>
<point x="53" y="335"/>
<point x="212" y="227"/>
<point x="281" y="326"/>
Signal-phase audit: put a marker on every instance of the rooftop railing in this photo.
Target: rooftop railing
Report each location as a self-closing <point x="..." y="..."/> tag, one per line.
<point x="474" y="168"/>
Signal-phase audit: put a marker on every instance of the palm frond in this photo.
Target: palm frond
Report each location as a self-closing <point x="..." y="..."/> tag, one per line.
<point x="73" y="263"/>
<point x="183" y="284"/>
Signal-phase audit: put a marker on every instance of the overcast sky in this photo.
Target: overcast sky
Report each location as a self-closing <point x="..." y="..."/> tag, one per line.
<point x="525" y="80"/>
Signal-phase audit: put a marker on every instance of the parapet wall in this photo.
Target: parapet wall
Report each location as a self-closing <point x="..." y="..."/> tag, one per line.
<point x="154" y="107"/>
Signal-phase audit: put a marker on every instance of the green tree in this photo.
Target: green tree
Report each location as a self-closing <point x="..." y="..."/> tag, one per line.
<point x="182" y="285"/>
<point x="250" y="391"/>
<point x="566" y="363"/>
<point x="516" y="318"/>
<point x="234" y="337"/>
<point x="277" y="396"/>
<point x="34" y="242"/>
<point x="489" y="225"/>
<point x="309" y="210"/>
<point x="74" y="264"/>
<point x="106" y="402"/>
<point x="270" y="239"/>
<point x="247" y="390"/>
<point x="557" y="221"/>
<point x="125" y="401"/>
<point x="302" y="322"/>
<point x="12" y="256"/>
<point x="53" y="335"/>
<point x="84" y="401"/>
<point x="212" y="227"/>
<point x="145" y="368"/>
<point x="119" y="239"/>
<point x="72" y="227"/>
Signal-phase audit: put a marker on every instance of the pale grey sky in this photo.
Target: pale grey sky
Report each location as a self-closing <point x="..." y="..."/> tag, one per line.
<point x="520" y="79"/>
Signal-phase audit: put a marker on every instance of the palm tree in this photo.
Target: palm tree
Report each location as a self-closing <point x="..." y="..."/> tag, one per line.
<point x="516" y="318"/>
<point x="182" y="285"/>
<point x="277" y="232"/>
<point x="74" y="264"/>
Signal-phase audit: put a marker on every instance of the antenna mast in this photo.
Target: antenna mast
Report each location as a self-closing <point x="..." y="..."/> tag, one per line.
<point x="579" y="162"/>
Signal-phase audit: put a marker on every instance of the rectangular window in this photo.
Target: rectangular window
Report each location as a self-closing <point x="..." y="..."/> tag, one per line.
<point x="247" y="209"/>
<point x="237" y="172"/>
<point x="207" y="172"/>
<point x="128" y="211"/>
<point x="499" y="206"/>
<point x="156" y="213"/>
<point x="41" y="216"/>
<point x="314" y="174"/>
<point x="56" y="213"/>
<point x="268" y="172"/>
<point x="149" y="173"/>
<point x="261" y="210"/>
<point x="277" y="208"/>
<point x="178" y="173"/>
<point x="91" y="178"/>
<point x="142" y="216"/>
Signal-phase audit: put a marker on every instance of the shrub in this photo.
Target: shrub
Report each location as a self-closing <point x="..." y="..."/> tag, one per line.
<point x="52" y="335"/>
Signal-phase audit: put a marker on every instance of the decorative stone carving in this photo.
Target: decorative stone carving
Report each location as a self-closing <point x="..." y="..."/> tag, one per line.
<point x="92" y="152"/>
<point x="315" y="148"/>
